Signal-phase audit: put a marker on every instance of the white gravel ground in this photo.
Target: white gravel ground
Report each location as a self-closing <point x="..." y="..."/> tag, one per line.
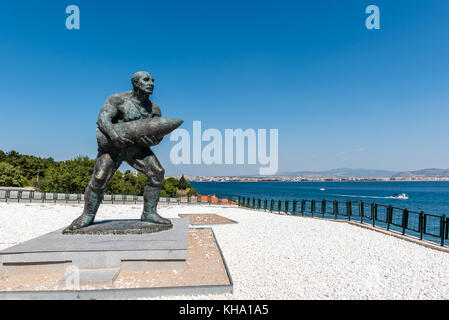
<point x="279" y="257"/>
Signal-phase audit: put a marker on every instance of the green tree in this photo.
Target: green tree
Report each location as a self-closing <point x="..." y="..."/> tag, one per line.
<point x="170" y="187"/>
<point x="69" y="176"/>
<point x="192" y="192"/>
<point x="11" y="176"/>
<point x="183" y="184"/>
<point x="115" y="184"/>
<point x="31" y="167"/>
<point x="74" y="175"/>
<point x="141" y="183"/>
<point x="127" y="183"/>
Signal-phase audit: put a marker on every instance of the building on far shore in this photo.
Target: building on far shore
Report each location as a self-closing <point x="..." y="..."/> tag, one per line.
<point x="308" y="179"/>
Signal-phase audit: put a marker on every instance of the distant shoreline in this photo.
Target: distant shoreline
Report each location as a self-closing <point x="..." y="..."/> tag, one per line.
<point x="323" y="181"/>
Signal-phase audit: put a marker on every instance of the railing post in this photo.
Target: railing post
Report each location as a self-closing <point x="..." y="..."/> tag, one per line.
<point x="361" y="211"/>
<point x="421" y="225"/>
<point x="7" y="195"/>
<point x="447" y="229"/>
<point x="286" y="206"/>
<point x="19" y="195"/>
<point x="335" y="209"/>
<point x="279" y="206"/>
<point x="348" y="209"/>
<point x="404" y="221"/>
<point x="323" y="207"/>
<point x="389" y="216"/>
<point x="442" y="224"/>
<point x="271" y="206"/>
<point x="295" y="206"/>
<point x="312" y="207"/>
<point x="31" y="196"/>
<point x="303" y="207"/>
<point x="376" y="208"/>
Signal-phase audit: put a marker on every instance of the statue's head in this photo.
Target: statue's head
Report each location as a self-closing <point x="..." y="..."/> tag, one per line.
<point x="143" y="81"/>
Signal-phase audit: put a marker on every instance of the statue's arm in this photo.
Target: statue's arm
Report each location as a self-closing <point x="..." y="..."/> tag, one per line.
<point x="157" y="114"/>
<point x="156" y="111"/>
<point x="107" y="113"/>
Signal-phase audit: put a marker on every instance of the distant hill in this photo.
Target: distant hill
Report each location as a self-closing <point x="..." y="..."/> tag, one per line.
<point x="368" y="173"/>
<point x="342" y="173"/>
<point x="433" y="173"/>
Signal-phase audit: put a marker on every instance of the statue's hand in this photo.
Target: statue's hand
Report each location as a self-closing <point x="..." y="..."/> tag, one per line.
<point x="121" y="142"/>
<point x="149" y="141"/>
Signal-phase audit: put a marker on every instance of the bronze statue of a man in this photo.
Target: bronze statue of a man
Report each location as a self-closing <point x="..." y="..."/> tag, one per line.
<point x="120" y="108"/>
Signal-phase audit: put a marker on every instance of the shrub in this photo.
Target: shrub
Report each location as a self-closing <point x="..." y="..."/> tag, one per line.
<point x="11" y="176"/>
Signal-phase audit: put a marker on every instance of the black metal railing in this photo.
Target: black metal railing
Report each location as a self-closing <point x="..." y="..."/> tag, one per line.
<point x="22" y="196"/>
<point x="420" y="225"/>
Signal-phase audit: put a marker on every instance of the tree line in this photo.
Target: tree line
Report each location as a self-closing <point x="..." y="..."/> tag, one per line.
<point x="72" y="176"/>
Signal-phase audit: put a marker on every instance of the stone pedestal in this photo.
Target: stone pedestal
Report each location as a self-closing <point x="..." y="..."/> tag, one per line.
<point x="97" y="255"/>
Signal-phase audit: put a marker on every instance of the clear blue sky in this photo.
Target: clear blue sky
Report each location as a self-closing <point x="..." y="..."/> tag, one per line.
<point x="340" y="95"/>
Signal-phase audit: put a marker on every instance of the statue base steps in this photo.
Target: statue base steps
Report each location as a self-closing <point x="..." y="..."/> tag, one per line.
<point x="87" y="259"/>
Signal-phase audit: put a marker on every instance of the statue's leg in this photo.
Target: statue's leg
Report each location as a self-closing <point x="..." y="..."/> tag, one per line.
<point x="146" y="163"/>
<point x="105" y="167"/>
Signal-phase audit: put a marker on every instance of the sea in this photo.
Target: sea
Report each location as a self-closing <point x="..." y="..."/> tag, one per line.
<point x="432" y="197"/>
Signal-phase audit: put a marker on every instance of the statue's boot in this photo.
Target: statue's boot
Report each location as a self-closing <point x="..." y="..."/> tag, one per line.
<point x="151" y="198"/>
<point x="92" y="200"/>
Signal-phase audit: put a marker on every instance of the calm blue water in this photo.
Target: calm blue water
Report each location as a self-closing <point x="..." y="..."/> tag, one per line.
<point x="430" y="197"/>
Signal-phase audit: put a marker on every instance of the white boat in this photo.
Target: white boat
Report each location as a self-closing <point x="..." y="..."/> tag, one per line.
<point x="322" y="189"/>
<point x="401" y="196"/>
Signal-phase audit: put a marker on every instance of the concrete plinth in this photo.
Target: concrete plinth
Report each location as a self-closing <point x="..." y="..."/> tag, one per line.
<point x="98" y="259"/>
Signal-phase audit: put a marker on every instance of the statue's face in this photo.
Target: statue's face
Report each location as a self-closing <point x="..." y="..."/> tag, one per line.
<point x="145" y="83"/>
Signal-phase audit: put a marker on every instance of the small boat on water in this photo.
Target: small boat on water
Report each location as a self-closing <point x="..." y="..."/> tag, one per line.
<point x="401" y="196"/>
<point x="322" y="189"/>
